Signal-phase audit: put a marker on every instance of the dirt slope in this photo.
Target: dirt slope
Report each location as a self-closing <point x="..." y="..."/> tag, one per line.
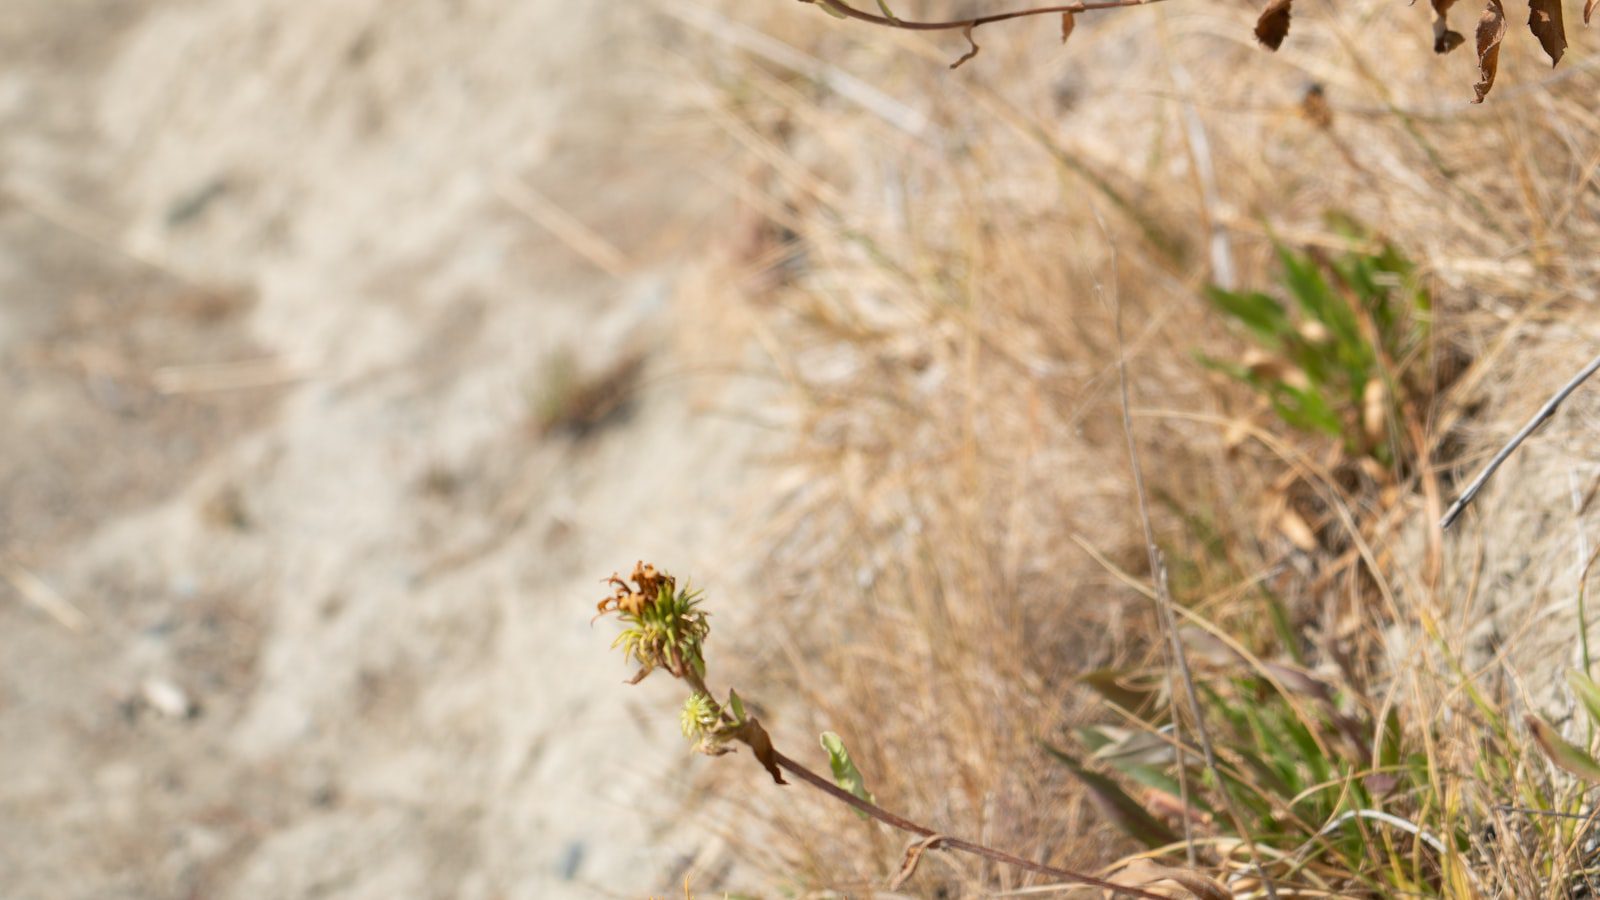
<point x="293" y="597"/>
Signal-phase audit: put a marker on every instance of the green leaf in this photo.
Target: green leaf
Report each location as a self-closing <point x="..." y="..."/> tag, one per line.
<point x="1256" y="311"/>
<point x="1390" y="745"/>
<point x="1305" y="409"/>
<point x="1588" y="693"/>
<point x="845" y="773"/>
<point x="1232" y="370"/>
<point x="1311" y="291"/>
<point x="1567" y="756"/>
<point x="830" y="9"/>
<point x="1158" y="779"/>
<point x="735" y="704"/>
<point x="1094" y="738"/>
<point x="1117" y="806"/>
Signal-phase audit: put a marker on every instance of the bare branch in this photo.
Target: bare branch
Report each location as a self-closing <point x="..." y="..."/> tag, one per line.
<point x="1543" y="415"/>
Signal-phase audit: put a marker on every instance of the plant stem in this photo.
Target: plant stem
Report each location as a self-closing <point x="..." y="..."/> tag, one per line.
<point x="844" y="9"/>
<point x="888" y="818"/>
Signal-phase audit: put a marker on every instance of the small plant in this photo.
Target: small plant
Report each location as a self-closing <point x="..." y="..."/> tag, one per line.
<point x="1341" y="793"/>
<point x="566" y="401"/>
<point x="665" y="628"/>
<point x="1332" y="355"/>
<point x="1307" y="767"/>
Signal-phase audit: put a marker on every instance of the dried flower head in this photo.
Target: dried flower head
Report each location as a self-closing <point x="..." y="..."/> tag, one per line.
<point x="665" y="629"/>
<point x="632" y="600"/>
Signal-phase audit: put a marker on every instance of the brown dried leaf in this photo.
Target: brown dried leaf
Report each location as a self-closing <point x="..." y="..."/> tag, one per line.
<point x="1203" y="646"/>
<point x="1069" y="22"/>
<point x="1444" y="40"/>
<point x="1588" y="10"/>
<point x="1491" y="31"/>
<point x="1273" y="26"/>
<point x="1293" y="527"/>
<point x="1545" y="21"/>
<point x="1314" y="106"/>
<point x="1298" y="681"/>
<point x="753" y="734"/>
<point x="913" y="856"/>
<point x="1375" y="411"/>
<point x="1567" y="756"/>
<point x="1145" y="874"/>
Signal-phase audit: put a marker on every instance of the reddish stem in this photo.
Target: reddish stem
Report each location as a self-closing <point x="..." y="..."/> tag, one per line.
<point x="888" y="818"/>
<point x="845" y="9"/>
<point x="877" y="812"/>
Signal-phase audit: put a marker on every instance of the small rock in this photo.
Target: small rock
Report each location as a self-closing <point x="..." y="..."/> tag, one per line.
<point x="571" y="861"/>
<point x="167" y="698"/>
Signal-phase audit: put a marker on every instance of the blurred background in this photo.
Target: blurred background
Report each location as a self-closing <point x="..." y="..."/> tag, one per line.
<point x="346" y="347"/>
<point x="299" y="539"/>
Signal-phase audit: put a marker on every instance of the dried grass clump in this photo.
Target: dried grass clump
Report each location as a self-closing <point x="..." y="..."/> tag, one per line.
<point x="933" y="282"/>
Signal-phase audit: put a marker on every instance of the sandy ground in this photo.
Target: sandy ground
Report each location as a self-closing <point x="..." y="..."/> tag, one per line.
<point x="295" y="594"/>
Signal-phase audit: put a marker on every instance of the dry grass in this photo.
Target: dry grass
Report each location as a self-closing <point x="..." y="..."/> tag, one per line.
<point x="928" y="277"/>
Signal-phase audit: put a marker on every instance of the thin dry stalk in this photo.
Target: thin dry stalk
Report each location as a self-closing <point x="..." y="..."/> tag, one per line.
<point x="1539" y="418"/>
<point x="1169" y="626"/>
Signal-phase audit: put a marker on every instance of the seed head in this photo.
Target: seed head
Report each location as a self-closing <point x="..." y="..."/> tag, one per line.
<point x="665" y="629"/>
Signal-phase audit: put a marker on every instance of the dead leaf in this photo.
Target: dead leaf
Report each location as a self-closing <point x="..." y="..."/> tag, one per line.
<point x="1588" y="10"/>
<point x="1297" y="531"/>
<point x="1273" y="26"/>
<point x="1545" y="21"/>
<point x="1314" y="106"/>
<point x="1567" y="756"/>
<point x="913" y="856"/>
<point x="1491" y="31"/>
<point x="1115" y="804"/>
<point x="1234" y="436"/>
<point x="1265" y="366"/>
<point x="1145" y="874"/>
<point x="1203" y="646"/>
<point x="753" y="734"/>
<point x="1298" y="681"/>
<point x="1375" y="408"/>
<point x="1444" y="40"/>
<point x="1069" y="22"/>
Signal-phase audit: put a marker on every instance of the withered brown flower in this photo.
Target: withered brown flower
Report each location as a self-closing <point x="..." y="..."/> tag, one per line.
<point x="633" y="600"/>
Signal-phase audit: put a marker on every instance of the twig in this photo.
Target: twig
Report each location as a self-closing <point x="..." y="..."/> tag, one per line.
<point x="36" y="591"/>
<point x="844" y="9"/>
<point x="265" y="372"/>
<point x="965" y="26"/>
<point x="580" y="238"/>
<point x="844" y="84"/>
<point x="1539" y="418"/>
